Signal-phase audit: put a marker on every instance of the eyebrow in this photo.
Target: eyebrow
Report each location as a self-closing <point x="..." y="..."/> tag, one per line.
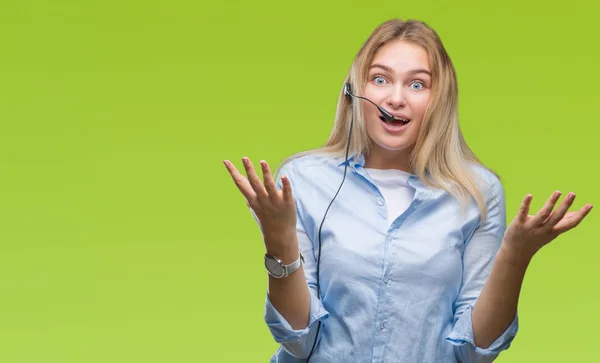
<point x="414" y="71"/>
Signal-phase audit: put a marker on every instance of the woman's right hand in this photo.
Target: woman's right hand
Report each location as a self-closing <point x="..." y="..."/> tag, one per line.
<point x="274" y="209"/>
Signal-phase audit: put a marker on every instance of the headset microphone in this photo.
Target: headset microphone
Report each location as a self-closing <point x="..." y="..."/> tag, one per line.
<point x="348" y="91"/>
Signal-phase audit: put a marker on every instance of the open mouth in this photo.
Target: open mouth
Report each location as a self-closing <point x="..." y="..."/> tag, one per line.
<point x="396" y="121"/>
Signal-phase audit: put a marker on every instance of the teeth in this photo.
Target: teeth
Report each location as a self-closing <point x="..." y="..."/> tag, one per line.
<point x="395" y="119"/>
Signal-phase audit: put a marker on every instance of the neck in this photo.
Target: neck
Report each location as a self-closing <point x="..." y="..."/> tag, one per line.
<point x="388" y="159"/>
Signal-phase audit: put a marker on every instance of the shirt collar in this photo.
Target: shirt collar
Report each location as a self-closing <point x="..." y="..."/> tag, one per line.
<point x="358" y="160"/>
<point x="354" y="160"/>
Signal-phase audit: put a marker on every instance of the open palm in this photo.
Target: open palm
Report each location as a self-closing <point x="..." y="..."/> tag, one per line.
<point x="527" y="234"/>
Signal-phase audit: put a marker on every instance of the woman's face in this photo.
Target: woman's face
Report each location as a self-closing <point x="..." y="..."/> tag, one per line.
<point x="399" y="81"/>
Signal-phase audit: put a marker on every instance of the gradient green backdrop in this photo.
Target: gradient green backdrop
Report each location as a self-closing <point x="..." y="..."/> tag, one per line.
<point x="122" y="236"/>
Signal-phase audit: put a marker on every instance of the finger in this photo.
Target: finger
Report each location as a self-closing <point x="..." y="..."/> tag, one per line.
<point x="562" y="209"/>
<point x="240" y="181"/>
<point x="524" y="208"/>
<point x="545" y="211"/>
<point x="287" y="189"/>
<point x="268" y="179"/>
<point x="253" y="178"/>
<point x="572" y="219"/>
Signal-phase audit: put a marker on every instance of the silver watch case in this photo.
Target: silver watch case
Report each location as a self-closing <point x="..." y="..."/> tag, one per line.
<point x="277" y="269"/>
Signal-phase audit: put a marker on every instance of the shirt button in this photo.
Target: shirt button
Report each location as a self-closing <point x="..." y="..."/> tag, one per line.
<point x="382" y="326"/>
<point x="388" y="239"/>
<point x="379" y="201"/>
<point x="386" y="280"/>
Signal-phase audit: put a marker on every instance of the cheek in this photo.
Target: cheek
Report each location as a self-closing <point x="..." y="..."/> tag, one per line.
<point x="370" y="113"/>
<point x="372" y="123"/>
<point x="420" y="104"/>
<point x="375" y="94"/>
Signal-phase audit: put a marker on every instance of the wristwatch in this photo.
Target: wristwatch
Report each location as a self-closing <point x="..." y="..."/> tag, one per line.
<point x="277" y="269"/>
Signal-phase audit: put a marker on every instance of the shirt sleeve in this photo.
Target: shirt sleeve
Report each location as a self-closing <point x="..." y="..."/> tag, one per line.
<point x="297" y="342"/>
<point x="478" y="258"/>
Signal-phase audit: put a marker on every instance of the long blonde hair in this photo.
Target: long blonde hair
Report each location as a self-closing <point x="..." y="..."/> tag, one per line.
<point x="440" y="156"/>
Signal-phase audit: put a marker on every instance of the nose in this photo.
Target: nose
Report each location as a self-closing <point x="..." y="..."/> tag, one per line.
<point x="396" y="97"/>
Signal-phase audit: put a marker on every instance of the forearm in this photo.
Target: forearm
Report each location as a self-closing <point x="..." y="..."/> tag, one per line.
<point x="496" y="306"/>
<point x="290" y="295"/>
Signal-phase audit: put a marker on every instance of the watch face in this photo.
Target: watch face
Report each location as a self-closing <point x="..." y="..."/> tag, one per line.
<point x="274" y="267"/>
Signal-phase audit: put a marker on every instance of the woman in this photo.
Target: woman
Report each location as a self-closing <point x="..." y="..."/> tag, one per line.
<point x="411" y="260"/>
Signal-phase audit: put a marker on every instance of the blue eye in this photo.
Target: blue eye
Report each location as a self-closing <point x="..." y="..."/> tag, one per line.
<point x="378" y="77"/>
<point x="417" y="83"/>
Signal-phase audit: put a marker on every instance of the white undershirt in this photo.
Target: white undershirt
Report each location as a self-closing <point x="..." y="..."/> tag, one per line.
<point x="393" y="184"/>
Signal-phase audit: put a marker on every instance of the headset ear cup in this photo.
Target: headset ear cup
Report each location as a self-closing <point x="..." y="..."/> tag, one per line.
<point x="348" y="91"/>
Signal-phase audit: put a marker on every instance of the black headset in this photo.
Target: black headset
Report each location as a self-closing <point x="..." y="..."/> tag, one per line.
<point x="388" y="117"/>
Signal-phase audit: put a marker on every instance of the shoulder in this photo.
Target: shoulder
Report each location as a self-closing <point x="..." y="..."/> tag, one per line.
<point x="308" y="165"/>
<point x="488" y="181"/>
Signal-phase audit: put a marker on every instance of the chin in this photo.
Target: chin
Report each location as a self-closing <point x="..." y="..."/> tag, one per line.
<point x="397" y="148"/>
<point x="394" y="143"/>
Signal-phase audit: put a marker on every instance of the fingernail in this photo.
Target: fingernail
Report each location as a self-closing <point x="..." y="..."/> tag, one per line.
<point x="225" y="163"/>
<point x="262" y="163"/>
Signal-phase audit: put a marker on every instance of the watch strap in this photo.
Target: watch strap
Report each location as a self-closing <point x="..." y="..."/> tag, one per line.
<point x="292" y="267"/>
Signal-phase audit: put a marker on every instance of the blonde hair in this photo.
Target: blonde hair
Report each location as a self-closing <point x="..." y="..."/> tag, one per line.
<point x="440" y="156"/>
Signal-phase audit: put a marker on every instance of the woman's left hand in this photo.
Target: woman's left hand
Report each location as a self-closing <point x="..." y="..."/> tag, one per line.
<point x="527" y="234"/>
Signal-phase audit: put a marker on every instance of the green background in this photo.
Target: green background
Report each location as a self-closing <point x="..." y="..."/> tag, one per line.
<point x="122" y="236"/>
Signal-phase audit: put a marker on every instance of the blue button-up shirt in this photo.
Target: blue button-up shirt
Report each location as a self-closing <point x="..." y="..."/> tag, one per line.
<point x="389" y="293"/>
